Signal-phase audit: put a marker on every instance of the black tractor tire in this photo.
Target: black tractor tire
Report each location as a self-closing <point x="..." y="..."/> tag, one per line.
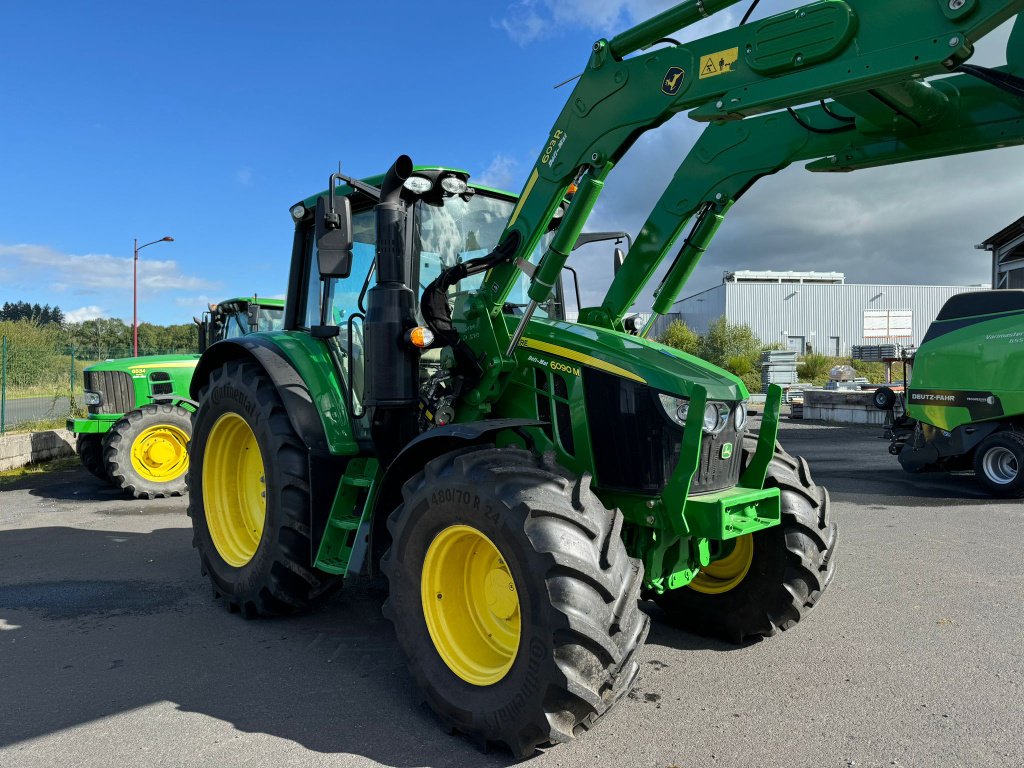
<point x="117" y="450"/>
<point x="884" y="399"/>
<point x="89" y="447"/>
<point x="999" y="464"/>
<point x="791" y="567"/>
<point x="279" y="579"/>
<point x="578" y="591"/>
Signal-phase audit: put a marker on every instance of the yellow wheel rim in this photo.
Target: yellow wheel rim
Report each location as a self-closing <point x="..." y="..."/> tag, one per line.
<point x="160" y="453"/>
<point x="725" y="574"/>
<point x="470" y="605"/>
<point x="234" y="489"/>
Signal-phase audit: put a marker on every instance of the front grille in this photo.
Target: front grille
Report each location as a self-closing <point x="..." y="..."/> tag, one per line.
<point x="715" y="473"/>
<point x="115" y="388"/>
<point x="636" y="447"/>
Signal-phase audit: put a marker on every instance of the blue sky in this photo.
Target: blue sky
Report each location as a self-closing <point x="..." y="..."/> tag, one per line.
<point x="204" y="121"/>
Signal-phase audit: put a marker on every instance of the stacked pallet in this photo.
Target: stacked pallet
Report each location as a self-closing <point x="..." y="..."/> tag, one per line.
<point x="877" y="353"/>
<point x="778" y="367"/>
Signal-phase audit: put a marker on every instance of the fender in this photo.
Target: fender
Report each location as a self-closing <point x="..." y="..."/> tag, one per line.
<point x="175" y="400"/>
<point x="417" y="453"/>
<point x="293" y="390"/>
<point x="325" y="469"/>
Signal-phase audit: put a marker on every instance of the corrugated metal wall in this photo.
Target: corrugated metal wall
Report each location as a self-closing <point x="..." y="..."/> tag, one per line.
<point x="828" y="317"/>
<point x="701" y="310"/>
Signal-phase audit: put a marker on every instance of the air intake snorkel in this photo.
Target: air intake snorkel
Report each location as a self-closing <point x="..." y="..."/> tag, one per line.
<point x="392" y="366"/>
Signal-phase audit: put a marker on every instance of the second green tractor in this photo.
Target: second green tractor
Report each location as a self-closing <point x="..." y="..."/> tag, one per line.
<point x="138" y="423"/>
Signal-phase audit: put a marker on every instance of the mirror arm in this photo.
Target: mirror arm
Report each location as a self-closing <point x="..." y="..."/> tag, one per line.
<point x="597" y="237"/>
<point x="576" y="283"/>
<point x="361" y="186"/>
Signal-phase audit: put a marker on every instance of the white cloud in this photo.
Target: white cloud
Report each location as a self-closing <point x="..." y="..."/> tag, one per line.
<point x="197" y="303"/>
<point x="500" y="173"/>
<point x="94" y="273"/>
<point x="526" y="21"/>
<point x="82" y="314"/>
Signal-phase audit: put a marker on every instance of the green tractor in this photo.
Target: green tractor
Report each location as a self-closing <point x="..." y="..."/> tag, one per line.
<point x="964" y="406"/>
<point x="523" y="481"/>
<point x="139" y="421"/>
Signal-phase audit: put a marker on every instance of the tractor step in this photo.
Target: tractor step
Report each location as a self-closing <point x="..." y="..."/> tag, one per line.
<point x="350" y="504"/>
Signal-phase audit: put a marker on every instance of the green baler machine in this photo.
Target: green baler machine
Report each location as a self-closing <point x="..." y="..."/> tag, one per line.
<point x="139" y="414"/>
<point x="523" y="481"/>
<point x="964" y="403"/>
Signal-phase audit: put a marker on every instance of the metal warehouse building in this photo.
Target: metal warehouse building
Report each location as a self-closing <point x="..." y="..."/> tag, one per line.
<point x="1007" y="247"/>
<point x="819" y="311"/>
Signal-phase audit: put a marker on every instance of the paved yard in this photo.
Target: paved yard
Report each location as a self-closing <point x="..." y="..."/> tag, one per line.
<point x="113" y="653"/>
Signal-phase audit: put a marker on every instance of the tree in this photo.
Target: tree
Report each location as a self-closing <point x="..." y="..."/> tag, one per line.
<point x="725" y="340"/>
<point x="680" y="336"/>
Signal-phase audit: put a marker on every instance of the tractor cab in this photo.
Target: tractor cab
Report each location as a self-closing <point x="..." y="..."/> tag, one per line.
<point x="444" y="229"/>
<point x="233" y="318"/>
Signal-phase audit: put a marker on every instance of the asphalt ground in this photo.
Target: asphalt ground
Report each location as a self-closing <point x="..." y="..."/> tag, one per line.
<point x="112" y="652"/>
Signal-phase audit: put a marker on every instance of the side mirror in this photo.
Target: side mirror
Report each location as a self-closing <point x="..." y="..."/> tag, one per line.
<point x="253" y="316"/>
<point x="334" y="237"/>
<point x="620" y="257"/>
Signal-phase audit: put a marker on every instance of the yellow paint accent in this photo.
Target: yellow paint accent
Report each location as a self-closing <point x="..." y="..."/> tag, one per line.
<point x="720" y="63"/>
<point x="470" y="605"/>
<point x="726" y="574"/>
<point x="526" y="193"/>
<point x="234" y="489"/>
<point x="160" y="453"/>
<point x="579" y="357"/>
<point x="174" y="364"/>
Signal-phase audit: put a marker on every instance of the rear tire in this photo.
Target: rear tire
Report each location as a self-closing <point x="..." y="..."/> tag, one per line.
<point x="259" y="507"/>
<point x="790" y="565"/>
<point x="998" y="462"/>
<point x="89" y="447"/>
<point x="577" y="622"/>
<point x="146" y="451"/>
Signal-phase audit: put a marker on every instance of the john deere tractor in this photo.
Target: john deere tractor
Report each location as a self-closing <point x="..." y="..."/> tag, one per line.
<point x="139" y="421"/>
<point x="523" y="481"/>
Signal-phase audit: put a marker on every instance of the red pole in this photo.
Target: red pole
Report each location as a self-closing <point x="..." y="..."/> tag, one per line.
<point x="135" y="301"/>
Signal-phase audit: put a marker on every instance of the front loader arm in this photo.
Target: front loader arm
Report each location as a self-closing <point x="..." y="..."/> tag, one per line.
<point x="730" y="157"/>
<point x="827" y="49"/>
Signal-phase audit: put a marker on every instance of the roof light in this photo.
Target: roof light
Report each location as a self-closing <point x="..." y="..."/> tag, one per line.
<point x="454" y="185"/>
<point x="418" y="184"/>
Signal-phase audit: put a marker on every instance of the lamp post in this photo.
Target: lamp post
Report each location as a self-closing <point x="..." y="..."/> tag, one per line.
<point x="135" y="290"/>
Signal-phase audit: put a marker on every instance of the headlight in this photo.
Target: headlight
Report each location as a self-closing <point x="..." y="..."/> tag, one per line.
<point x="716" y="416"/>
<point x="453" y="185"/>
<point x="418" y="184"/>
<point x="740" y="416"/>
<point x="676" y="408"/>
<point x="91" y="398"/>
<point x="298" y="211"/>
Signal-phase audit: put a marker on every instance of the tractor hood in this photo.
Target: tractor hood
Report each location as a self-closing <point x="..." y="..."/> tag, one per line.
<point x="147" y="362"/>
<point x="661" y="367"/>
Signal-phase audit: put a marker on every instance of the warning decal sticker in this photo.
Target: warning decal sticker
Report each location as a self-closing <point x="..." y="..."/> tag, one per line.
<point x="720" y="63"/>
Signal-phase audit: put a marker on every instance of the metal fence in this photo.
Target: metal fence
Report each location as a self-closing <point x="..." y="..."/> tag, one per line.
<point x="41" y="383"/>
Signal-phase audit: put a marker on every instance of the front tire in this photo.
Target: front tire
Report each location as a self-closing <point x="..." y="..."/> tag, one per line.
<point x="250" y="498"/>
<point x="998" y="464"/>
<point x="146" y="451"/>
<point x="513" y="598"/>
<point x="89" y="447"/>
<point x="771" y="579"/>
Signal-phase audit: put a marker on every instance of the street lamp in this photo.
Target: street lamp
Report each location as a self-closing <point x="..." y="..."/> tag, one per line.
<point x="135" y="290"/>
